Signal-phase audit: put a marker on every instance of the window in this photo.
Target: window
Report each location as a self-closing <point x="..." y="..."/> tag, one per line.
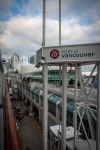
<point x="37" y="98"/>
<point x="52" y="108"/>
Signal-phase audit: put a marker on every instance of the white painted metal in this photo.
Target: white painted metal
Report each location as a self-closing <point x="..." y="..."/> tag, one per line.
<point x="45" y="87"/>
<point x="59" y="22"/>
<point x="45" y="107"/>
<point x="90" y="123"/>
<point x="64" y="105"/>
<point x="44" y="22"/>
<point x="71" y="53"/>
<point x="87" y="82"/>
<point x="93" y="115"/>
<point x="39" y="109"/>
<point x="84" y="128"/>
<point x="85" y="100"/>
<point x="59" y="139"/>
<point x="98" y="109"/>
<point x="80" y="120"/>
<point x="81" y="84"/>
<point x="84" y="105"/>
<point x="75" y="107"/>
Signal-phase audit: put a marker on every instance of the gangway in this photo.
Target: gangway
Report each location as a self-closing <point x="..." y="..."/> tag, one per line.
<point x="76" y="56"/>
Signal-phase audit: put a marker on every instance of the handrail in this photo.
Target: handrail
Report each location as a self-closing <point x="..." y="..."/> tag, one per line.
<point x="13" y="142"/>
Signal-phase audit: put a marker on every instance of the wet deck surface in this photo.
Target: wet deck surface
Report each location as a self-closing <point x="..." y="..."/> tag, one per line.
<point x="30" y="134"/>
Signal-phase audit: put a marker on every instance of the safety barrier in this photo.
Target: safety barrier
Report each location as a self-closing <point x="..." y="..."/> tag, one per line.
<point x="13" y="142"/>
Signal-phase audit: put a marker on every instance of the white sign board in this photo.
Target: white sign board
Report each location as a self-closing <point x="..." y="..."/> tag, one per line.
<point x="71" y="53"/>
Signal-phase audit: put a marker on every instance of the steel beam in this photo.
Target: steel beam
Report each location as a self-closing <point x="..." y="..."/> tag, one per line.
<point x="98" y="109"/>
<point x="64" y="105"/>
<point x="75" y="107"/>
<point x="45" y="107"/>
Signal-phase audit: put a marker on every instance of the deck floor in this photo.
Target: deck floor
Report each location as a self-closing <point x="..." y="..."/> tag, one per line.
<point x="30" y="133"/>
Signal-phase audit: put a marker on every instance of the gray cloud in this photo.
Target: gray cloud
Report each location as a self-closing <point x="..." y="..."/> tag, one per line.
<point x="86" y="11"/>
<point x="23" y="35"/>
<point x="5" y="6"/>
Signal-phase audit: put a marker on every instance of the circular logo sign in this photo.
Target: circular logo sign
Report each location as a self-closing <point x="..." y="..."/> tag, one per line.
<point x="54" y="54"/>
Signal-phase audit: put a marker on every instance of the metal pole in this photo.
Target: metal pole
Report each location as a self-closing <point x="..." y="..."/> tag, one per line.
<point x="45" y="107"/>
<point x="75" y="107"/>
<point x="44" y="22"/>
<point x="64" y="105"/>
<point x="98" y="109"/>
<point x="59" y="22"/>
<point x="45" y="88"/>
<point x="60" y="37"/>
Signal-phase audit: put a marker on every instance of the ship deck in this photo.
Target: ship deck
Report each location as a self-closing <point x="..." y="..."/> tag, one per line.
<point x="29" y="131"/>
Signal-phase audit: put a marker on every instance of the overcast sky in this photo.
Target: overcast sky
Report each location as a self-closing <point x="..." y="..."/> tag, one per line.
<point x="21" y="24"/>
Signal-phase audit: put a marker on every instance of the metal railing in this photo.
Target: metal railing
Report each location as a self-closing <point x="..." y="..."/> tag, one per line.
<point x="12" y="141"/>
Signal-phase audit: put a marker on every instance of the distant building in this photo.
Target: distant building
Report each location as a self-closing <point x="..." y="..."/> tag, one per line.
<point x="14" y="61"/>
<point x="6" y="66"/>
<point x="33" y="59"/>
